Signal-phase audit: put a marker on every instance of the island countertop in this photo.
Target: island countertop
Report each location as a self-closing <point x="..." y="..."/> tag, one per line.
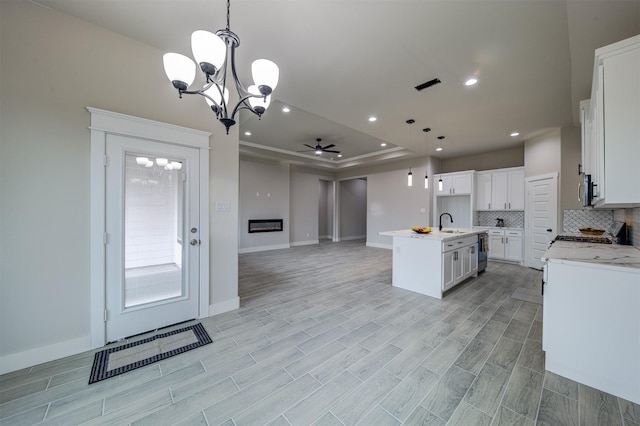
<point x="444" y="235"/>
<point x="600" y="255"/>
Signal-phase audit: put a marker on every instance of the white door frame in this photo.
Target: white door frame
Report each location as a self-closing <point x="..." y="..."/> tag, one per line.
<point x="107" y="122"/>
<point x="528" y="209"/>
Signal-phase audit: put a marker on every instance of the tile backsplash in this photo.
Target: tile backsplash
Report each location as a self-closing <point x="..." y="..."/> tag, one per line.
<point x="573" y="220"/>
<point x="512" y="219"/>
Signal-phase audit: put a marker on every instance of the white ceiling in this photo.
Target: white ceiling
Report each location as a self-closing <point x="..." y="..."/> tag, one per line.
<point x="342" y="61"/>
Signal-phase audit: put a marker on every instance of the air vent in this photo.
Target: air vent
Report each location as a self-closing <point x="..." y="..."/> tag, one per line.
<point x="428" y="84"/>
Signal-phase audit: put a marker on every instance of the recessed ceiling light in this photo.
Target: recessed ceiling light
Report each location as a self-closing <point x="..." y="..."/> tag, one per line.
<point x="339" y="155"/>
<point x="383" y="144"/>
<point x="471" y="81"/>
<point x="514" y="134"/>
<point x="247" y="133"/>
<point x="438" y="149"/>
<point x="372" y="118"/>
<point x="285" y="109"/>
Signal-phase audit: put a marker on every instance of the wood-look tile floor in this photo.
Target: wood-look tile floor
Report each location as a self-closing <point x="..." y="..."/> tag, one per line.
<point x="322" y="338"/>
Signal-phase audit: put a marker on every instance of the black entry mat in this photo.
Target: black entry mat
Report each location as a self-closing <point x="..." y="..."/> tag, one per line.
<point x="115" y="361"/>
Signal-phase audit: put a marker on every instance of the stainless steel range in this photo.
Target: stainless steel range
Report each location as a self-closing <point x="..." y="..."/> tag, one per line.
<point x="616" y="234"/>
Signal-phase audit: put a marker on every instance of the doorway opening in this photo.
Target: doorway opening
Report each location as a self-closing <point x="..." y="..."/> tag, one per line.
<point x="352" y="210"/>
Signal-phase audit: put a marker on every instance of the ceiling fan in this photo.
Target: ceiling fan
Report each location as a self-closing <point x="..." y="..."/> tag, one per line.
<point x="319" y="149"/>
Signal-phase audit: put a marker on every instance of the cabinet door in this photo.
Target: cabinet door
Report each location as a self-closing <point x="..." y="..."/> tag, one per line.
<point x="499" y="190"/>
<point x="447" y="186"/>
<point x="462" y="184"/>
<point x="585" y="128"/>
<point x="470" y="260"/>
<point x="483" y="191"/>
<point x="622" y="128"/>
<point x="447" y="270"/>
<point x="458" y="265"/>
<point x="515" y="197"/>
<point x="496" y="247"/>
<point x="473" y="258"/>
<point x="513" y="248"/>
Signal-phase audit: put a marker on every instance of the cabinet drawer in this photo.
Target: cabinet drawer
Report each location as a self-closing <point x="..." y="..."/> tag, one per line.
<point x="458" y="243"/>
<point x="496" y="232"/>
<point x="513" y="233"/>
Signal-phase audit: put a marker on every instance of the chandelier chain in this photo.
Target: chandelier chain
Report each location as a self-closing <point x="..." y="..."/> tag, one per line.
<point x="228" y="13"/>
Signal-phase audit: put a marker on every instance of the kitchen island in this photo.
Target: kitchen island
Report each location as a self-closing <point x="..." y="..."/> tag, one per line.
<point x="591" y="311"/>
<point x="435" y="262"/>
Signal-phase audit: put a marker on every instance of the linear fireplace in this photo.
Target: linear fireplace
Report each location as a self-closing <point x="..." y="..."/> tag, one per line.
<point x="265" y="225"/>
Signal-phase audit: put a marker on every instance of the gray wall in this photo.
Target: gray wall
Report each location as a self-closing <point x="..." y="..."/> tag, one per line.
<point x="353" y="209"/>
<point x="264" y="194"/>
<point x="392" y="205"/>
<point x="304" y="202"/>
<point x="542" y="154"/>
<point x="325" y="209"/>
<point x="571" y="156"/>
<point x="53" y="66"/>
<point x="512" y="157"/>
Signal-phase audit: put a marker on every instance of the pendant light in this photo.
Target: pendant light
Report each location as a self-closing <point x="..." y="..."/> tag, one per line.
<point x="440" y="148"/>
<point x="426" y="174"/>
<point x="410" y="175"/>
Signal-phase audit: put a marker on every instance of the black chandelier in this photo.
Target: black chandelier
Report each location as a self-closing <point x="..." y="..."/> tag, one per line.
<point x="213" y="52"/>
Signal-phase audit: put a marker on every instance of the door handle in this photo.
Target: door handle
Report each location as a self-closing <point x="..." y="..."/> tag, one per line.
<point x="549" y="230"/>
<point x="579" y="190"/>
<point x="194" y="242"/>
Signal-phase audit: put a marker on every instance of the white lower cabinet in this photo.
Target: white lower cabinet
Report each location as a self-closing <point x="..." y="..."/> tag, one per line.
<point x="506" y="244"/>
<point x="459" y="260"/>
<point x="591" y="327"/>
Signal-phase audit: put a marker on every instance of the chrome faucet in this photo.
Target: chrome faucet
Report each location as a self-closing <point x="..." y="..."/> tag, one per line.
<point x="440" y="227"/>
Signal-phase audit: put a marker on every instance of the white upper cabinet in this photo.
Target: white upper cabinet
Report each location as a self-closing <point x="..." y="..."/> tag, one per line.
<point x="456" y="184"/>
<point x="611" y="126"/>
<point x="483" y="191"/>
<point x="501" y="189"/>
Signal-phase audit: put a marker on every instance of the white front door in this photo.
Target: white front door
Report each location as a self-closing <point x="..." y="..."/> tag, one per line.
<point x="152" y="235"/>
<point x="541" y="217"/>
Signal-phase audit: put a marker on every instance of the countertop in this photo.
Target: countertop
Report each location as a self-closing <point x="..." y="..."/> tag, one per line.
<point x="435" y="234"/>
<point x="601" y="255"/>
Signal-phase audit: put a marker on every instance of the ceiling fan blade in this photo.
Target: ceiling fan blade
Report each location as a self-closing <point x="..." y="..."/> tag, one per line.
<point x="312" y="147"/>
<point x="306" y="150"/>
<point x="328" y="146"/>
<point x="328" y="150"/>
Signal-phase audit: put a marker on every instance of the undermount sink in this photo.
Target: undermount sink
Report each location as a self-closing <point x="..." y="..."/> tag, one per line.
<point x="452" y="231"/>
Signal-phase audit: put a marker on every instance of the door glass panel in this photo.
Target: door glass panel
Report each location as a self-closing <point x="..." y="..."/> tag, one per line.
<point x="153" y="230"/>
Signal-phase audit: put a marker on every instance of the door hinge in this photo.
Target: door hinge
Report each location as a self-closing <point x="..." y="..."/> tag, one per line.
<point x="105" y="160"/>
<point x="106" y="315"/>
<point x="105" y="238"/>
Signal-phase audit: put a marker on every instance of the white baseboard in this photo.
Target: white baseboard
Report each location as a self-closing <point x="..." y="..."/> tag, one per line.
<point x="353" y="237"/>
<point x="226" y="306"/>
<point x="31" y="357"/>
<point x="383" y="246"/>
<point x="305" y="243"/>
<point x="263" y="248"/>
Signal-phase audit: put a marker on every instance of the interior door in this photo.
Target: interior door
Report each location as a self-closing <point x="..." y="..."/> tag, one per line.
<point x="152" y="235"/>
<point x="542" y="217"/>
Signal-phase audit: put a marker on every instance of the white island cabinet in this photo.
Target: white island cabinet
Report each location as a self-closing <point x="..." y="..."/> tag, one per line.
<point x="433" y="263"/>
<point x="591" y="311"/>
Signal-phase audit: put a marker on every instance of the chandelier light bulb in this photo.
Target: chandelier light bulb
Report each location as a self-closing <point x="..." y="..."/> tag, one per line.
<point x="265" y="75"/>
<point x="162" y="162"/>
<point x="141" y="161"/>
<point x="180" y="70"/>
<point x="176" y="165"/>
<point x="214" y="93"/>
<point x="209" y="51"/>
<point x="258" y="102"/>
<point x="149" y="164"/>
